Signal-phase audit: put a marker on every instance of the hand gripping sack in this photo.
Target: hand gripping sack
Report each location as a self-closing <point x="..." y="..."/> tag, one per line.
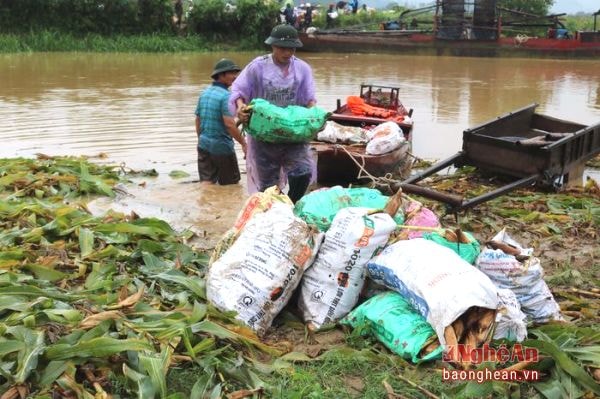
<point x="394" y="322"/>
<point x="292" y="124"/>
<point x="330" y="288"/>
<point x="259" y="272"/>
<point x="434" y="279"/>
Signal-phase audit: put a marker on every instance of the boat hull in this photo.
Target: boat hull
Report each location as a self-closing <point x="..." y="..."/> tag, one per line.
<point x="427" y="44"/>
<point x="339" y="164"/>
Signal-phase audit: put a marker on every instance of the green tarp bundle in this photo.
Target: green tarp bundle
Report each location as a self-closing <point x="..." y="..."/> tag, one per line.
<point x="292" y="124"/>
<point x="320" y="207"/>
<point x="468" y="251"/>
<point x="394" y="322"/>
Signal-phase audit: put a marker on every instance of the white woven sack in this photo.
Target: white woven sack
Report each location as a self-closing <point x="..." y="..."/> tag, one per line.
<point x="259" y="272"/>
<point x="330" y="288"/>
<point x="434" y="279"/>
<point x="510" y="320"/>
<point x="384" y="138"/>
<point x="525" y="279"/>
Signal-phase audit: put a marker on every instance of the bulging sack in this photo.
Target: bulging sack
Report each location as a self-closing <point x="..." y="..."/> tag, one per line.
<point x="256" y="203"/>
<point x="511" y="322"/>
<point x="417" y="215"/>
<point x="384" y="138"/>
<point x="330" y="288"/>
<point x="292" y="124"/>
<point x="524" y="277"/>
<point x="434" y="280"/>
<point x="320" y="207"/>
<point x="333" y="132"/>
<point x="391" y="319"/>
<point x="259" y="272"/>
<point x="467" y="247"/>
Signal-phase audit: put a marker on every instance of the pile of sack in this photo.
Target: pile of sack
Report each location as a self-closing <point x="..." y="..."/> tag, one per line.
<point x="382" y="265"/>
<point x="381" y="139"/>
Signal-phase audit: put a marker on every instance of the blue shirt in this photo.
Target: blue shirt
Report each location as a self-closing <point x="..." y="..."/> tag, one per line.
<point x="212" y="106"/>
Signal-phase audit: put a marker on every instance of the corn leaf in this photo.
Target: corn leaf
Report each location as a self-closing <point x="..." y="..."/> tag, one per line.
<point x="565" y="363"/>
<point x="27" y="358"/>
<point x="194" y="284"/>
<point x="53" y="370"/>
<point x="10" y="346"/>
<point x="202" y="385"/>
<point x="219" y="331"/>
<point x="86" y="242"/>
<point x="95" y="347"/>
<point x="145" y="388"/>
<point x="156" y="365"/>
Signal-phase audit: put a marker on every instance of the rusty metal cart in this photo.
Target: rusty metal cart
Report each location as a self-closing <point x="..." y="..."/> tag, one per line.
<point x="530" y="147"/>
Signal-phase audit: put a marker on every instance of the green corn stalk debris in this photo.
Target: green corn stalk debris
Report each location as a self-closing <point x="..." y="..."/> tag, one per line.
<point x="110" y="306"/>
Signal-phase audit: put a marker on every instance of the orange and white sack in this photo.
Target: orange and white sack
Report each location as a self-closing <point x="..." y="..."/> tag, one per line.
<point x="511" y="322"/>
<point x="384" y="138"/>
<point x="330" y="288"/>
<point x="260" y="271"/>
<point x="256" y="203"/>
<point x="525" y="279"/>
<point x="434" y="279"/>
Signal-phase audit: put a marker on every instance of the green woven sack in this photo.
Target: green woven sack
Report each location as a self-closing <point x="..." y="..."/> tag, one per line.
<point x="320" y="207"/>
<point x="394" y="322"/>
<point x="468" y="251"/>
<point x="292" y="124"/>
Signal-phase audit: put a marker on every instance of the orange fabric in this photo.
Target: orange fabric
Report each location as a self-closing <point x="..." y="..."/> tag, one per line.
<point x="358" y="106"/>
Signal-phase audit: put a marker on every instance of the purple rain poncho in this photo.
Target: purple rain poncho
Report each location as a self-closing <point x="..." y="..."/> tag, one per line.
<point x="269" y="164"/>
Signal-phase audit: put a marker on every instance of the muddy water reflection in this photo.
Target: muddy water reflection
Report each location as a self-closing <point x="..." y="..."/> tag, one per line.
<point x="139" y="108"/>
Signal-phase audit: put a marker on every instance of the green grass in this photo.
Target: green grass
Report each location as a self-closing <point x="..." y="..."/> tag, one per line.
<point x="58" y="41"/>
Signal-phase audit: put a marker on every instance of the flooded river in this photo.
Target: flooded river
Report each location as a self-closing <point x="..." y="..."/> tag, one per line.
<point x="139" y="109"/>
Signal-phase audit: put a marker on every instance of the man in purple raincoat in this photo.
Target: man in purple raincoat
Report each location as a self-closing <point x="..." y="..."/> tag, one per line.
<point x="282" y="79"/>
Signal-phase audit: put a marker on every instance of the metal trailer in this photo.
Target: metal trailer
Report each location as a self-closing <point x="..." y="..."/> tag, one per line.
<point x="530" y="147"/>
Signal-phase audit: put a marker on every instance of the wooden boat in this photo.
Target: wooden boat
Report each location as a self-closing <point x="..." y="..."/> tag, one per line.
<point x="407" y="42"/>
<point x="342" y="163"/>
<point x="339" y="163"/>
<point x="456" y="32"/>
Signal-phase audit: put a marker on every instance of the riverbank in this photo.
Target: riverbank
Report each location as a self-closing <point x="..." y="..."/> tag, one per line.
<point x="52" y="41"/>
<point x="115" y="304"/>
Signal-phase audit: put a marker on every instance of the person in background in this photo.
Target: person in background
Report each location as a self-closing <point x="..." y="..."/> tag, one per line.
<point x="288" y="13"/>
<point x="282" y="79"/>
<point x="354" y="5"/>
<point x="330" y="16"/>
<point x="308" y="15"/>
<point x="216" y="128"/>
<point x="179" y="12"/>
<point x="414" y="24"/>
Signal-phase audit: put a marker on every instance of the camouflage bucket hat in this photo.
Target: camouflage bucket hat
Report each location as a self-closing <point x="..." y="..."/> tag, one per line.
<point x="224" y="65"/>
<point x="284" y="36"/>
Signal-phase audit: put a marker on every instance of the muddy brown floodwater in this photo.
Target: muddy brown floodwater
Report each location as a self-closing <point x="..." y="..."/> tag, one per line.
<point x="139" y="109"/>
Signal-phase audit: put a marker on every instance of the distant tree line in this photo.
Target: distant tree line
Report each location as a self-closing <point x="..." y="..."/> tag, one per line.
<point x="248" y="20"/>
<point x="86" y="16"/>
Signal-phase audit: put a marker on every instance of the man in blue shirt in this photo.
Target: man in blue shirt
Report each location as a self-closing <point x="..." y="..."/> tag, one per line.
<point x="216" y="129"/>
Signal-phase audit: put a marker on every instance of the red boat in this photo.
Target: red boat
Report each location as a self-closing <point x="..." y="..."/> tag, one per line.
<point x="456" y="32"/>
<point x="342" y="163"/>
